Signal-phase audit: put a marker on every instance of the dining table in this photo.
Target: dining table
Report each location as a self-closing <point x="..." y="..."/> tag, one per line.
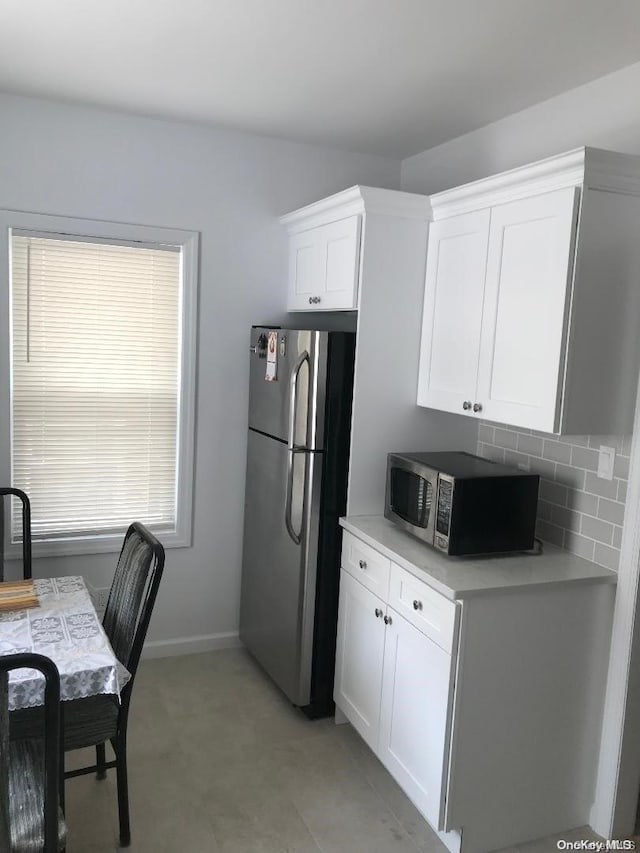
<point x="64" y="626"/>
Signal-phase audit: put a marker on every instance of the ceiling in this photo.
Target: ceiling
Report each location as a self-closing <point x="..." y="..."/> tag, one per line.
<point x="390" y="77"/>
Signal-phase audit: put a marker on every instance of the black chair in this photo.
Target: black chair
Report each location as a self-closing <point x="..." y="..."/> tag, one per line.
<point x="30" y="816"/>
<point x="93" y="721"/>
<point x="26" y="530"/>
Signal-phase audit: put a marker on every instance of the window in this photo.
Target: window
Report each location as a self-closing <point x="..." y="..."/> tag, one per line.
<point x="101" y="380"/>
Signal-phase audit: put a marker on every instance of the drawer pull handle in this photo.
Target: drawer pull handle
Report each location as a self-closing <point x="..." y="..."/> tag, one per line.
<point x="378" y="613"/>
<point x="362" y="564"/>
<point x="387" y="620"/>
<point x="417" y="605"/>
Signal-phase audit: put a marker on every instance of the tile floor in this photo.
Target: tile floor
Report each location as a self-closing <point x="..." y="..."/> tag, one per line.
<point x="219" y="762"/>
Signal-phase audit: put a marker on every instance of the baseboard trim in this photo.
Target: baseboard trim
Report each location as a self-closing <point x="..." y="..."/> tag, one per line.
<point x="191" y="645"/>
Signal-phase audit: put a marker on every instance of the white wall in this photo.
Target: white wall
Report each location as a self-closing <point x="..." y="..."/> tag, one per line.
<point x="231" y="187"/>
<point x="602" y="114"/>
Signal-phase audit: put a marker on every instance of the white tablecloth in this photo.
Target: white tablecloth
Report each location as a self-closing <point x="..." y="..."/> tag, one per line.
<point x="66" y="628"/>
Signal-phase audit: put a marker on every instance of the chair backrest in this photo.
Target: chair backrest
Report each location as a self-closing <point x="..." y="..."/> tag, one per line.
<point x="51" y="778"/>
<point x="26" y="530"/>
<point x="133" y="595"/>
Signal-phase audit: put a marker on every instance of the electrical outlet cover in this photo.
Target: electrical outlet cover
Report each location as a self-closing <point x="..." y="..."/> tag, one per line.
<point x="606" y="458"/>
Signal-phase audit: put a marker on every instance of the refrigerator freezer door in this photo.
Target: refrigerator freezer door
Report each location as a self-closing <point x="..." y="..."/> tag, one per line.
<point x="278" y="575"/>
<point x="299" y="380"/>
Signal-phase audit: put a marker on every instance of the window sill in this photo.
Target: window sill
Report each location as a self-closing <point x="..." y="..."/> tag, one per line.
<point x="85" y="545"/>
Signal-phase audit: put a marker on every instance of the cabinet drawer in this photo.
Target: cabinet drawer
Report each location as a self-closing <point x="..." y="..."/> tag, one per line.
<point x="365" y="564"/>
<point x="425" y="608"/>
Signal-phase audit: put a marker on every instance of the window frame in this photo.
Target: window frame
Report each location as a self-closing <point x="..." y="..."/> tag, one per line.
<point x="188" y="241"/>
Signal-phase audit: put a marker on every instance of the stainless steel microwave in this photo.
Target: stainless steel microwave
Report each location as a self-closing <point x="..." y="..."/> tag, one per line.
<point x="460" y="503"/>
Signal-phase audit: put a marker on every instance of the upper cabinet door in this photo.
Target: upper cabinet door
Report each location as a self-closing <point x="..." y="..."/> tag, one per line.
<point x="324" y="267"/>
<point x="452" y="313"/>
<point x="526" y="307"/>
<point x="305" y="268"/>
<point x="341" y="247"/>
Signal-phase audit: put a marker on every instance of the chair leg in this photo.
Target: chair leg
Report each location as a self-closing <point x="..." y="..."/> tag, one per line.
<point x="101" y="760"/>
<point x="120" y="747"/>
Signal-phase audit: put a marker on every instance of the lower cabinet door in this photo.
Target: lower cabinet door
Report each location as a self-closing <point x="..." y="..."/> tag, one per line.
<point x="360" y="649"/>
<point x="414" y="729"/>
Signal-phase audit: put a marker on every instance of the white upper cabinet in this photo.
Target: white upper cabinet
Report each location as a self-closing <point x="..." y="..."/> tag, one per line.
<point x="452" y="317"/>
<point x="328" y="244"/>
<point x="531" y="277"/>
<point x="527" y="289"/>
<point x="323" y="267"/>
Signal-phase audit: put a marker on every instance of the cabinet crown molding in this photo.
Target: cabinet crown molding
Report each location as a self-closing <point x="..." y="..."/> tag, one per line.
<point x="593" y="168"/>
<point x="358" y="199"/>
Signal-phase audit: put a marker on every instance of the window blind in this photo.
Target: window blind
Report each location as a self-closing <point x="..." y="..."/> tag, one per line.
<point x="95" y="383"/>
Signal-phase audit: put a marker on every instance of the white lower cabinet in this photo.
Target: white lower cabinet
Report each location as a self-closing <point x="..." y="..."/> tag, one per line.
<point x="358" y="679"/>
<point x="486" y="708"/>
<point x="414" y="715"/>
<point x="394" y="685"/>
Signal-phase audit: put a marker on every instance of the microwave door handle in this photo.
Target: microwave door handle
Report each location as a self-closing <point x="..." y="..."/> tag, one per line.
<point x="291" y="448"/>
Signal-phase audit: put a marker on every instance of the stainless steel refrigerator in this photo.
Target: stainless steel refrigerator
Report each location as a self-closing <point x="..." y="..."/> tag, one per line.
<point x="296" y="483"/>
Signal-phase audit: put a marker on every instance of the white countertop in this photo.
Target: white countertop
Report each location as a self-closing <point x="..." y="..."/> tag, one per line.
<point x="461" y="577"/>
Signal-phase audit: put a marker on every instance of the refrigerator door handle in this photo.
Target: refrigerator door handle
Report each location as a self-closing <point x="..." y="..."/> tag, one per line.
<point x="287" y="511"/>
<point x="293" y="402"/>
<point x="293" y="397"/>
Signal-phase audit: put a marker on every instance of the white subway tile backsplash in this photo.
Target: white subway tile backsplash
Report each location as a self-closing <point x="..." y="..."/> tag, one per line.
<point x="490" y="451"/>
<point x="576" y="509"/>
<point x="574" y="477"/>
<point x="530" y="444"/>
<point x="557" y="452"/>
<point x="606" y="556"/>
<point x="580" y="440"/>
<point x="579" y="545"/>
<point x="564" y="517"/>
<point x="544" y="510"/>
<point x="611" y="511"/>
<point x="544" y="467"/>
<point x="550" y="533"/>
<point x="615" y="441"/>
<point x="583" y="458"/>
<point x="582" y="502"/>
<point x="555" y="493"/>
<point x="486" y="433"/>
<point x="598" y="486"/>
<point x="506" y="438"/>
<point x="520" y="460"/>
<point x="601" y="531"/>
<point x="621" y="467"/>
<point x="617" y="537"/>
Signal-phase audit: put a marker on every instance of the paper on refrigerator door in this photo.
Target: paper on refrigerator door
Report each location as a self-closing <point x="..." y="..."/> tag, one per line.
<point x="272" y="357"/>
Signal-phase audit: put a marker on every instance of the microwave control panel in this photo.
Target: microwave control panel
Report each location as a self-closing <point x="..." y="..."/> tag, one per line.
<point x="443" y="513"/>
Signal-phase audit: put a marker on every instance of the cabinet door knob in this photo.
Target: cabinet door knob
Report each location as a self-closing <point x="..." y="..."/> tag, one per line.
<point x="417" y="605"/>
<point x="387" y="620"/>
<point x="378" y="613"/>
<point x="362" y="564"/>
<point x="311" y="300"/>
<point x="466" y="405"/>
<point x="477" y="407"/>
